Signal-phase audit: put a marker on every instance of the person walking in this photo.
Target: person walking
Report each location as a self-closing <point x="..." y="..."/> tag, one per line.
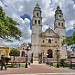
<point x="3" y="60"/>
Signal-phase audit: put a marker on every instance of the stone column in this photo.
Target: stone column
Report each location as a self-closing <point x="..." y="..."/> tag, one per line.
<point x="44" y="59"/>
<point x="25" y="58"/>
<point x="0" y="53"/>
<point x="6" y="53"/>
<point x="20" y="53"/>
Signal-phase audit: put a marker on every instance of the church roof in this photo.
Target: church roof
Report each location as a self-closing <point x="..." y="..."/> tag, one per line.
<point x="37" y="5"/>
<point x="22" y="45"/>
<point x="49" y="32"/>
<point x="37" y="8"/>
<point x="58" y="11"/>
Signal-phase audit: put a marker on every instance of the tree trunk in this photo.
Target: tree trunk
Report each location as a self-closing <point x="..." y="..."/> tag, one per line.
<point x="13" y="59"/>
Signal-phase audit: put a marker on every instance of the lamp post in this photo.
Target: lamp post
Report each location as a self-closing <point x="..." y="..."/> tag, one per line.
<point x="47" y="58"/>
<point x="57" y="57"/>
<point x="65" y="56"/>
<point x="70" y="62"/>
<point x="27" y="57"/>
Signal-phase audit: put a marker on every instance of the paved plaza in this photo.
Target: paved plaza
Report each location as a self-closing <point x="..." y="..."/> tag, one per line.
<point x="38" y="69"/>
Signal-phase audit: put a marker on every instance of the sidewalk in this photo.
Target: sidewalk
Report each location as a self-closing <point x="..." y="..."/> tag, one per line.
<point x="36" y="70"/>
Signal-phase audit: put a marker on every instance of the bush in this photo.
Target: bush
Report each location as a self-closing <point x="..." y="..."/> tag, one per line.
<point x="14" y="52"/>
<point x="62" y="61"/>
<point x="7" y="60"/>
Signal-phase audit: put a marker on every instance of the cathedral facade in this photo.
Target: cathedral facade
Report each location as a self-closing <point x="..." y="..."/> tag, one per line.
<point x="48" y="42"/>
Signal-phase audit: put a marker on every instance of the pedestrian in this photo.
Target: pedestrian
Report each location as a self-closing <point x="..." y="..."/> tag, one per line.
<point x="63" y="65"/>
<point x="3" y="60"/>
<point x="71" y="64"/>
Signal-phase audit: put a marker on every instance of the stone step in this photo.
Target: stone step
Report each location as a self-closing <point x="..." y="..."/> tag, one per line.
<point x="35" y="62"/>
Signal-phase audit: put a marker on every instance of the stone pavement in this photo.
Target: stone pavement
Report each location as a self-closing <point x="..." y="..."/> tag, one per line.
<point x="38" y="69"/>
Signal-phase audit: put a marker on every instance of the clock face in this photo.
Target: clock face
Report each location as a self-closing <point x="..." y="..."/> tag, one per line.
<point x="59" y="15"/>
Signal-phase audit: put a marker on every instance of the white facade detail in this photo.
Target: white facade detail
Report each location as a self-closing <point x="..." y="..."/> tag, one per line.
<point x="48" y="40"/>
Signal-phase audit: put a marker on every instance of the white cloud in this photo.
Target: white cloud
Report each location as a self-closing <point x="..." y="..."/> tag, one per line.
<point x="44" y="28"/>
<point x="17" y="8"/>
<point x="74" y="6"/>
<point x="15" y="16"/>
<point x="20" y="8"/>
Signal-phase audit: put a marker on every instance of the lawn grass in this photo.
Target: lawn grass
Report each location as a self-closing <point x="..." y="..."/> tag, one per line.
<point x="15" y="66"/>
<point x="65" y="65"/>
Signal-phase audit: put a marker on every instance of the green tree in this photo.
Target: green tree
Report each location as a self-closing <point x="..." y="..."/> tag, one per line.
<point x="8" y="27"/>
<point x="74" y="26"/>
<point x="70" y="40"/>
<point x="14" y="52"/>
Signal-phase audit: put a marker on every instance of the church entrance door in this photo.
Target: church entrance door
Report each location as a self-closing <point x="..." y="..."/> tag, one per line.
<point x="50" y="53"/>
<point x="23" y="54"/>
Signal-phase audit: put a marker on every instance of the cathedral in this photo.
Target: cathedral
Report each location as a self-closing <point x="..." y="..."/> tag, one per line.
<point x="47" y="43"/>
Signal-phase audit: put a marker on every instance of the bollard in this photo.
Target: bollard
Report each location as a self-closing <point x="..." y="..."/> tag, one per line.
<point x="29" y="63"/>
<point x="19" y="65"/>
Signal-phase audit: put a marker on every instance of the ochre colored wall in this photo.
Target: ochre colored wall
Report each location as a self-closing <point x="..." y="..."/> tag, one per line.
<point x="0" y="53"/>
<point x="7" y="51"/>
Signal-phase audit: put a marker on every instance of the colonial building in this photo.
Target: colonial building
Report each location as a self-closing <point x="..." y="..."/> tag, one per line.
<point x="22" y="50"/>
<point x="71" y="54"/>
<point x="46" y="43"/>
<point x="4" y="51"/>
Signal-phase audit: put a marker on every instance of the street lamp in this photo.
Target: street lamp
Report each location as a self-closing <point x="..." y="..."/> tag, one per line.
<point x="65" y="56"/>
<point x="47" y="58"/>
<point x="27" y="57"/>
<point x="57" y="51"/>
<point x="70" y="62"/>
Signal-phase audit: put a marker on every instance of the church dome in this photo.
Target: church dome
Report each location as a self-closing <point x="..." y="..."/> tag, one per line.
<point x="37" y="8"/>
<point x="58" y="11"/>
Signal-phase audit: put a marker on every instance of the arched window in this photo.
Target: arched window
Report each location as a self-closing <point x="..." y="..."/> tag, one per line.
<point x="23" y="54"/>
<point x="43" y="41"/>
<point x="49" y="41"/>
<point x="38" y="21"/>
<point x="35" y="21"/>
<point x="59" y="24"/>
<point x="23" y="48"/>
<point x="50" y="53"/>
<point x="59" y="15"/>
<point x="37" y="14"/>
<point x="55" y="42"/>
<point x="62" y="24"/>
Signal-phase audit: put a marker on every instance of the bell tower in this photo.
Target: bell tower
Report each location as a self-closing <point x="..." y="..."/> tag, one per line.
<point x="60" y="29"/>
<point x="37" y="20"/>
<point x="59" y="20"/>
<point x="36" y="30"/>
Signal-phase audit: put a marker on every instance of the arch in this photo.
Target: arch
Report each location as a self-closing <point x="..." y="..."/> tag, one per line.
<point x="50" y="53"/>
<point x="62" y="24"/>
<point x="37" y="14"/>
<point x="38" y="21"/>
<point x="23" y="49"/>
<point x="59" y="23"/>
<point x="23" y="54"/>
<point x="49" y="41"/>
<point x="28" y="17"/>
<point x="43" y="41"/>
<point x="35" y="21"/>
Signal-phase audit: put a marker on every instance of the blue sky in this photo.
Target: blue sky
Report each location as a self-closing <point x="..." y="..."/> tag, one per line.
<point x="19" y="8"/>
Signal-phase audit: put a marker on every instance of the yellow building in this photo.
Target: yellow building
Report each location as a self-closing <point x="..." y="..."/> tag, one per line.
<point x="4" y="51"/>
